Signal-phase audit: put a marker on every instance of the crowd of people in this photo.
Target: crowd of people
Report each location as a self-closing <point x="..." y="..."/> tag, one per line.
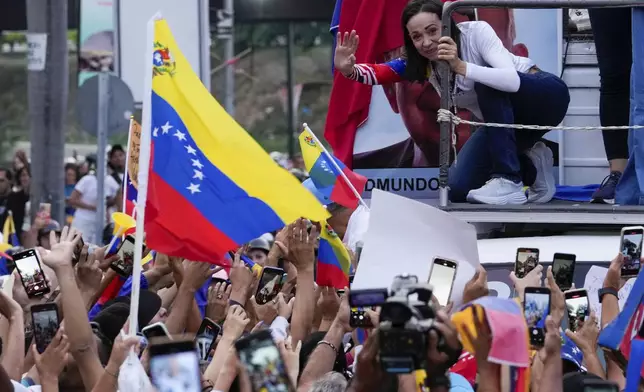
<point x="309" y="341"/>
<point x="319" y="350"/>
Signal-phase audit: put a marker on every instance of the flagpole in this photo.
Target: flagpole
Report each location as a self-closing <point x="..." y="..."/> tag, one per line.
<point x="144" y="166"/>
<point x="337" y="167"/>
<point x="126" y="177"/>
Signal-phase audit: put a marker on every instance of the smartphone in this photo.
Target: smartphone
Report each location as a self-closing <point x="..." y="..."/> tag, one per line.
<point x="441" y="278"/>
<point x="270" y="284"/>
<point x="45" y="322"/>
<point x="359" y="318"/>
<point x="563" y="269"/>
<point x="31" y="274"/>
<point x="262" y="360"/>
<point x="631" y="248"/>
<point x="367" y="297"/>
<point x="577" y="306"/>
<point x="527" y="260"/>
<point x="359" y="246"/>
<point x="124" y="263"/>
<point x="156" y="330"/>
<point x="77" y="251"/>
<point x="536" y="307"/>
<point x="206" y="338"/>
<point x="174" y="365"/>
<point x="600" y="386"/>
<point x="45" y="210"/>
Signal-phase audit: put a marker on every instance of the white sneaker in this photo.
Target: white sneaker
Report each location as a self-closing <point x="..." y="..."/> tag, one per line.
<point x="544" y="187"/>
<point x="498" y="191"/>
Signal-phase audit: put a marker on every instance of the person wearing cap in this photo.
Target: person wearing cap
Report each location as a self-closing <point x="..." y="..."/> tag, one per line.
<point x="348" y="223"/>
<point x="258" y="250"/>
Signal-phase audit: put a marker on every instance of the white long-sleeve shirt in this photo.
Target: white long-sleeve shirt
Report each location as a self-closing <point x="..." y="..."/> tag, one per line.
<point x="488" y="62"/>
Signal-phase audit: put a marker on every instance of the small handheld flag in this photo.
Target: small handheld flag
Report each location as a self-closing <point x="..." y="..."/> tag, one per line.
<point x="329" y="175"/>
<point x="334" y="261"/>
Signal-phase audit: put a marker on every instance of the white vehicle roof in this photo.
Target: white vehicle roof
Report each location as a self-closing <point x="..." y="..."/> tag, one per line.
<point x="588" y="248"/>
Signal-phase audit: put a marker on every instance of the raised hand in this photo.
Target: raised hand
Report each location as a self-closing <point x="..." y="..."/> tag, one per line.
<point x="345" y="52"/>
<point x="476" y="287"/>
<point x="302" y="245"/>
<point x="62" y="250"/>
<point x="218" y="300"/>
<point x="557" y="300"/>
<point x="52" y="362"/>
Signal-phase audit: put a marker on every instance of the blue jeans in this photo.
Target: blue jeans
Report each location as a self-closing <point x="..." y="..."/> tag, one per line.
<point x="542" y="99"/>
<point x="630" y="189"/>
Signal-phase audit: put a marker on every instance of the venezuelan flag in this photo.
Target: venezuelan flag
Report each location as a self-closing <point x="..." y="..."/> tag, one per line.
<point x="211" y="187"/>
<point x="334" y="261"/>
<point x="9" y="231"/>
<point x="10" y="237"/>
<point x="325" y="175"/>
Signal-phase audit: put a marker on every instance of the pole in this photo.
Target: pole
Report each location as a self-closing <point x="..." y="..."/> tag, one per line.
<point x="229" y="55"/>
<point x="289" y="86"/>
<point x="103" y="103"/>
<point x="47" y="94"/>
<point x="144" y="166"/>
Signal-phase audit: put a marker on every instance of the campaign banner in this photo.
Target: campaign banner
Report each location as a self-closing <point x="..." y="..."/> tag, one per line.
<point x="96" y="38"/>
<point x="390" y="133"/>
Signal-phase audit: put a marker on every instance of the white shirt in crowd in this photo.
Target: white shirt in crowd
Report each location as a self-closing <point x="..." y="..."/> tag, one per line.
<point x="85" y="220"/>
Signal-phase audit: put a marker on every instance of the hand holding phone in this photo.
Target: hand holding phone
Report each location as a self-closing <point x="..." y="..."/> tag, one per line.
<point x="206" y="338"/>
<point x="270" y="284"/>
<point x="156" y="330"/>
<point x="45" y="324"/>
<point x="631" y="249"/>
<point x="124" y="263"/>
<point x="359" y="319"/>
<point x="441" y="278"/>
<point x="536" y="307"/>
<point x="174" y="366"/>
<point x="563" y="270"/>
<point x="263" y="362"/>
<point x="29" y="266"/>
<point x="577" y="307"/>
<point x="527" y="259"/>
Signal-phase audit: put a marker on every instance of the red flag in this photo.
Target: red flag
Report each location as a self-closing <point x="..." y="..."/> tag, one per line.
<point x="349" y="103"/>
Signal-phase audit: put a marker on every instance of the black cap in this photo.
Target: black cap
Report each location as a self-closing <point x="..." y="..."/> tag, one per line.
<point x="115" y="313"/>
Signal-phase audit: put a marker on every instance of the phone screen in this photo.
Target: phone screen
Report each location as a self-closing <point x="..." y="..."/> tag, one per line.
<point x="206" y="337"/>
<point x="527" y="260"/>
<point x="31" y="273"/>
<point x="175" y="369"/>
<point x="270" y="285"/>
<point x="632" y="251"/>
<point x="563" y="269"/>
<point x="125" y="261"/>
<point x="577" y="308"/>
<point x="45" y="326"/>
<point x="536" y="307"/>
<point x="441" y="280"/>
<point x="154" y="331"/>
<point x="263" y="362"/>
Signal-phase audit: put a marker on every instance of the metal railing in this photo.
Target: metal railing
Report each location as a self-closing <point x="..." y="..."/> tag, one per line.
<point x="445" y="71"/>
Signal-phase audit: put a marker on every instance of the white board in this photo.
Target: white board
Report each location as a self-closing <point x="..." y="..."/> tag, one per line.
<point x="404" y="236"/>
<point x="189" y="23"/>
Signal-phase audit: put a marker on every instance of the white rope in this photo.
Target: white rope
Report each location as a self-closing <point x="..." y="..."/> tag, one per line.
<point x="445" y="115"/>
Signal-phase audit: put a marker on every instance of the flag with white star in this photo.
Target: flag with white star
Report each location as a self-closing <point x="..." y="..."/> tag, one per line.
<point x="211" y="187"/>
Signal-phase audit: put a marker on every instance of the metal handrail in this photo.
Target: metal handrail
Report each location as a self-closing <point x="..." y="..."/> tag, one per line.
<point x="445" y="71"/>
